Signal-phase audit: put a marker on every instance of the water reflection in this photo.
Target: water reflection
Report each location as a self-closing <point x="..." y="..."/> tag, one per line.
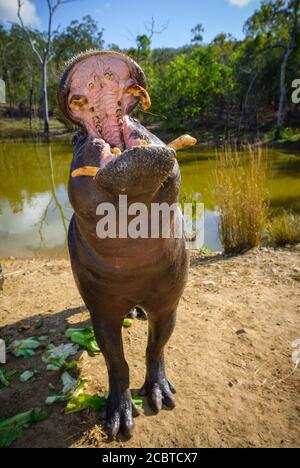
<point x="34" y="205"/>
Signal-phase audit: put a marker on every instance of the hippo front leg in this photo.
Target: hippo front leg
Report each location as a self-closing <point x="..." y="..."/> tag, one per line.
<point x="157" y="387"/>
<point x="120" y="409"/>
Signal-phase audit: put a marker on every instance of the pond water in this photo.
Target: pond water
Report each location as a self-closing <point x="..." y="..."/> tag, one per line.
<point x="34" y="205"/>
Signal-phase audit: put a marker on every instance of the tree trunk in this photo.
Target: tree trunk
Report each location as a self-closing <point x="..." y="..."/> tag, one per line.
<point x="282" y="96"/>
<point x="245" y="104"/>
<point x="45" y="110"/>
<point x="30" y="100"/>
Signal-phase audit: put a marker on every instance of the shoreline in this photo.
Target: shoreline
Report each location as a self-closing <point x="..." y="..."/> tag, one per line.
<point x="210" y="140"/>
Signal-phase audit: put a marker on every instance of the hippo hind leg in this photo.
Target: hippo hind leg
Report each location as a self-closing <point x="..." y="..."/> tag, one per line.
<point x="157" y="387"/>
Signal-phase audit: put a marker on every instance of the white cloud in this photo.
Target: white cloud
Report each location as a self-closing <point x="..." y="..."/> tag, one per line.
<point x="9" y="9"/>
<point x="240" y="3"/>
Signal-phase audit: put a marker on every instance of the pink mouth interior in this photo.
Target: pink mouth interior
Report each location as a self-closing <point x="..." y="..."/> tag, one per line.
<point x="102" y="80"/>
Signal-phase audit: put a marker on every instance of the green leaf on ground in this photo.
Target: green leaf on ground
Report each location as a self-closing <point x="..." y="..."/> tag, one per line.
<point x="127" y="323"/>
<point x="84" y="337"/>
<point x="27" y="375"/>
<point x="84" y="401"/>
<point x="27" y="347"/>
<point x="71" y="389"/>
<point x="56" y="356"/>
<point x="12" y="428"/>
<point x="95" y="402"/>
<point x="6" y="376"/>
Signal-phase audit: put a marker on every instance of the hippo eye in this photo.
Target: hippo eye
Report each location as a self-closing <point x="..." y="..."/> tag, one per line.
<point x="91" y="85"/>
<point x="109" y="76"/>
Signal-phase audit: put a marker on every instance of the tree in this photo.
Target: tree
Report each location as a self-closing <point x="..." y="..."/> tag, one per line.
<point x="197" y="35"/>
<point x="42" y="50"/>
<point x="143" y="43"/>
<point x="278" y="23"/>
<point x="142" y="51"/>
<point x="188" y="87"/>
<point x="77" y="37"/>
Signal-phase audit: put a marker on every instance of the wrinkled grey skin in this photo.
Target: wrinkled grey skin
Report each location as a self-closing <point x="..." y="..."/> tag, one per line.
<point x="116" y="275"/>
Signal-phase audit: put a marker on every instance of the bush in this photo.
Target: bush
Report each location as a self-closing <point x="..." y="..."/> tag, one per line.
<point x="280" y="133"/>
<point x="283" y="228"/>
<point x="240" y="189"/>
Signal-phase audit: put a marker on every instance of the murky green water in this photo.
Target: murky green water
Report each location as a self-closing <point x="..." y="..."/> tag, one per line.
<point x="34" y="206"/>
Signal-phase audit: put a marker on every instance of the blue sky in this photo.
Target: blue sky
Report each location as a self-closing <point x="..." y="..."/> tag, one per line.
<point x="122" y="20"/>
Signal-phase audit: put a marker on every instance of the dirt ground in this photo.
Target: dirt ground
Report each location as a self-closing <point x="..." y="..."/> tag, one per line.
<point x="230" y="355"/>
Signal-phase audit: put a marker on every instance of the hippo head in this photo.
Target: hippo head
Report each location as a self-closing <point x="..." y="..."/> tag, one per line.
<point x="98" y="89"/>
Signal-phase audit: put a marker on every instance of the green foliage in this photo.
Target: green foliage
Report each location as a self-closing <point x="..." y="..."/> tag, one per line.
<point x="77" y="37"/>
<point x="13" y="428"/>
<point x="230" y="85"/>
<point x="280" y="133"/>
<point x="197" y="34"/>
<point x="191" y="82"/>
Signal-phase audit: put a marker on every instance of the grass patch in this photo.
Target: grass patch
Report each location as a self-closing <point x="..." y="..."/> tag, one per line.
<point x="239" y="185"/>
<point x="283" y="228"/>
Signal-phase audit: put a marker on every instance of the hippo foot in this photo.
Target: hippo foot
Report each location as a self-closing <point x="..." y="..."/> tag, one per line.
<point x="159" y="392"/>
<point x="118" y="413"/>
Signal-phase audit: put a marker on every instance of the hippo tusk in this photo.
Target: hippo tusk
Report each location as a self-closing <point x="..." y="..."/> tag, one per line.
<point x="179" y="143"/>
<point x="182" y="142"/>
<point x="86" y="171"/>
<point x="138" y="91"/>
<point x="116" y="151"/>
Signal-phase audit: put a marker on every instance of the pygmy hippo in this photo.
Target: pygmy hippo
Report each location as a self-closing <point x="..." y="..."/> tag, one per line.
<point x="115" y="155"/>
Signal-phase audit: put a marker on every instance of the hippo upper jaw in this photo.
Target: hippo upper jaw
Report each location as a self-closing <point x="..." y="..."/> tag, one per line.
<point x="98" y="91"/>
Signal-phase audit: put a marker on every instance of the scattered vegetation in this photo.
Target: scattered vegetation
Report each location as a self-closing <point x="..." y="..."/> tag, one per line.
<point x="240" y="193"/>
<point x="283" y="228"/>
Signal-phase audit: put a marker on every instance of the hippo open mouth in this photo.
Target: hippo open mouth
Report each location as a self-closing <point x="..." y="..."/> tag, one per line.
<point x="100" y="89"/>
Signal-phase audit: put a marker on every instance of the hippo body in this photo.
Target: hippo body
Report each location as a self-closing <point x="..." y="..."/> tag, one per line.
<point x="114" y="275"/>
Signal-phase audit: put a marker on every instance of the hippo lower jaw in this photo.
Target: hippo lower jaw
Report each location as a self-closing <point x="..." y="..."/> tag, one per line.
<point x="137" y="171"/>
